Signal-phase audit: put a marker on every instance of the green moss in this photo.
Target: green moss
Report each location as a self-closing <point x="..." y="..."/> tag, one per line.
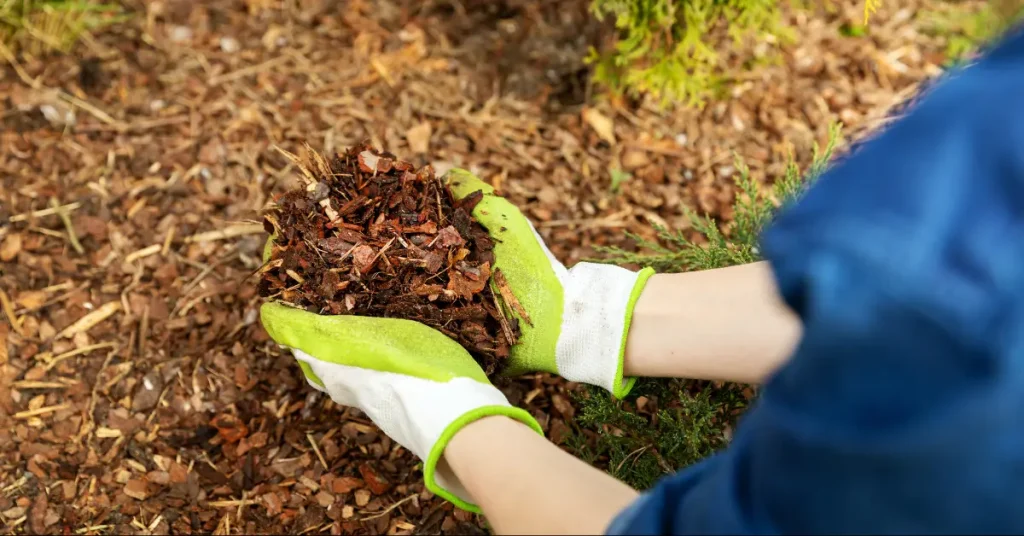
<point x="683" y="421"/>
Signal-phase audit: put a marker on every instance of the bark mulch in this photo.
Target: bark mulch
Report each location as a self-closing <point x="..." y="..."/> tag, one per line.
<point x="138" y="392"/>
<point x="370" y="235"/>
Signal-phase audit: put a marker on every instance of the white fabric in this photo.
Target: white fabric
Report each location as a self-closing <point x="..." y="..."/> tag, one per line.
<point x="593" y="323"/>
<point x="412" y="411"/>
<point x="596" y="297"/>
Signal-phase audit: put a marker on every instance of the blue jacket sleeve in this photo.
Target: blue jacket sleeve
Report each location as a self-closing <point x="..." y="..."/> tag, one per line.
<point x="902" y="409"/>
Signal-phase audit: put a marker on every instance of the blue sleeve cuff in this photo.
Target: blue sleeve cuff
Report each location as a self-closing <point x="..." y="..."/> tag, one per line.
<point x="627" y="518"/>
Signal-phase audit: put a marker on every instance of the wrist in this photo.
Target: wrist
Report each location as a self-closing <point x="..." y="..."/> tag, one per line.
<point x="475" y="435"/>
<point x="470" y="433"/>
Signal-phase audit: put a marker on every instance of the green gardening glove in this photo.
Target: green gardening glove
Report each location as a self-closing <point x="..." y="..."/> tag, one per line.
<point x="416" y="384"/>
<point x="578" y="318"/>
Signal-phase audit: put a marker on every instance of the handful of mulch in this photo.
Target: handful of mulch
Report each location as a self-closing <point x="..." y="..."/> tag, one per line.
<point x="370" y="235"/>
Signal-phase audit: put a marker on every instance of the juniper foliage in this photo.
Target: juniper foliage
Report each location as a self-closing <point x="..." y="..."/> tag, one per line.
<point x="667" y="48"/>
<point x="690" y="419"/>
<point x="39" y="26"/>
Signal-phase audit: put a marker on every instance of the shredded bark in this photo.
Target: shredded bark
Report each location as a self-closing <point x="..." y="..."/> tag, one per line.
<point x="371" y="235"/>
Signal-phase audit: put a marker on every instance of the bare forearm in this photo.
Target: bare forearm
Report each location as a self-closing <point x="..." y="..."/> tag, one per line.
<point x="724" y="324"/>
<point x="526" y="485"/>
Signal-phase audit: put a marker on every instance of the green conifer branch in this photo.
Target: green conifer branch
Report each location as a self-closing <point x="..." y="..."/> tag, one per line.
<point x="692" y="418"/>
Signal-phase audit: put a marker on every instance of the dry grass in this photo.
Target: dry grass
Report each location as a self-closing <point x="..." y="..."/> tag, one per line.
<point x="36" y="26"/>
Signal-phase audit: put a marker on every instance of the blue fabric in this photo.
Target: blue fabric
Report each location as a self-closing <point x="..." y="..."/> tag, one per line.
<point x="902" y="409"/>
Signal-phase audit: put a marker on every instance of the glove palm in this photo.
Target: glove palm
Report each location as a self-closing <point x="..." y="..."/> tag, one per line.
<point x="578" y="318"/>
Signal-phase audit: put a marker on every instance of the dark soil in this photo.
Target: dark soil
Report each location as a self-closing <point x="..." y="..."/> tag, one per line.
<point x="371" y="235"/>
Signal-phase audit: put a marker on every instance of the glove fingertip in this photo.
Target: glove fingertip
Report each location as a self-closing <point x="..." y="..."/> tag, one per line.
<point x="463" y="183"/>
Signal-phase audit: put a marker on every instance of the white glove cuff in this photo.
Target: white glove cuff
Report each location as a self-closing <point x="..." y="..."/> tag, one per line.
<point x="413" y="411"/>
<point x="599" y="301"/>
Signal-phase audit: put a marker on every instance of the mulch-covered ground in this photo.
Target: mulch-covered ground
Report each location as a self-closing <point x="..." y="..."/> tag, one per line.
<point x="138" y="392"/>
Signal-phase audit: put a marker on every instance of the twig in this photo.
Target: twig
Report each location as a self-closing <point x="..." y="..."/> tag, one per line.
<point x="66" y="218"/>
<point x="232" y="503"/>
<point x="227" y="232"/>
<point x="143" y="332"/>
<point x="29" y="384"/>
<point x="92" y="528"/>
<point x="381" y="252"/>
<point x="167" y="241"/>
<point x="209" y="270"/>
<point x="142" y="253"/>
<point x="15" y="486"/>
<point x="8" y="308"/>
<point x="57" y="299"/>
<point x="637" y="452"/>
<point x="245" y="71"/>
<point x="657" y="150"/>
<point x="83" y="350"/>
<point x="41" y="411"/>
<point x="94" y="111"/>
<point x="316" y="449"/>
<point x="384" y="512"/>
<point x="45" y="212"/>
<point x="34" y="83"/>
<point x="136" y="126"/>
<point x="506" y="329"/>
<point x="586" y="223"/>
<point x="86" y="323"/>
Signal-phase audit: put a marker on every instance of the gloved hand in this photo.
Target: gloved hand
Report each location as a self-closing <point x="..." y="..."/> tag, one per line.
<point x="579" y="318"/>
<point x="416" y="384"/>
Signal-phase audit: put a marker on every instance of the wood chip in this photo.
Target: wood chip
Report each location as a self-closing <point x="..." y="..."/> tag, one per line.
<point x="419" y="137"/>
<point x="601" y="124"/>
<point x="143" y="253"/>
<point x="510" y="298"/>
<point x="232" y="231"/>
<point x="40" y="411"/>
<point x="84" y="324"/>
<point x="8" y="308"/>
<point x="10" y="247"/>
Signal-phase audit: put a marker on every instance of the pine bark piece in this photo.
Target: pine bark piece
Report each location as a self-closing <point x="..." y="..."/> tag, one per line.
<point x="369" y="234"/>
<point x="509" y="296"/>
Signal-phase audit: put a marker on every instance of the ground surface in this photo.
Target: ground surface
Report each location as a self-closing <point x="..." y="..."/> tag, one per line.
<point x="138" y="392"/>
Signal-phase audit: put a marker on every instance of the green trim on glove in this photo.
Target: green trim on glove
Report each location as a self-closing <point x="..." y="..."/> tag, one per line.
<point x="382" y="344"/>
<point x="521" y="258"/>
<point x="622" y="388"/>
<point x="430" y="464"/>
<point x="307" y="371"/>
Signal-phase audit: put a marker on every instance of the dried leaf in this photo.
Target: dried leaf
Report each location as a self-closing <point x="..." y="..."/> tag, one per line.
<point x="419" y="137"/>
<point x="10" y="247"/>
<point x="601" y="124"/>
